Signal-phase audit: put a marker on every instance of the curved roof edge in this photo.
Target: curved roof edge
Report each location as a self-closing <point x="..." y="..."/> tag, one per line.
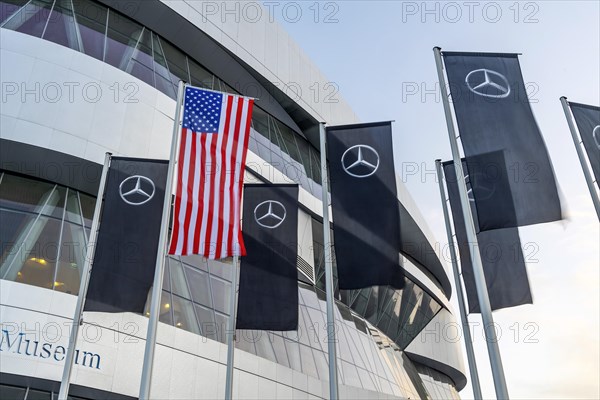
<point x="434" y="348"/>
<point x="239" y="55"/>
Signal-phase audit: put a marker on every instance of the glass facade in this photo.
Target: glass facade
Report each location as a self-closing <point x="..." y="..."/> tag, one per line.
<point x="13" y="392"/>
<point x="438" y="385"/>
<point x="44" y="229"/>
<point x="109" y="36"/>
<point x="399" y="313"/>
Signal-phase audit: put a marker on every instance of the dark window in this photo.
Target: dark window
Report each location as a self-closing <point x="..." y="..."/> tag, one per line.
<point x="123" y="35"/>
<point x="61" y="25"/>
<point x="31" y="19"/>
<point x="91" y="20"/>
<point x="9" y="7"/>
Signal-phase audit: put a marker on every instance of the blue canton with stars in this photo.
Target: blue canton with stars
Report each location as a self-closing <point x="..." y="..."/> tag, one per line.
<point x="202" y="110"/>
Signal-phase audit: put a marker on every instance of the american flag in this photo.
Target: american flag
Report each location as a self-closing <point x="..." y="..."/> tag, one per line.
<point x="212" y="158"/>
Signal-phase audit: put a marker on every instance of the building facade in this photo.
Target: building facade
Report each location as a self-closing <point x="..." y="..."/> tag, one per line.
<point x="85" y="77"/>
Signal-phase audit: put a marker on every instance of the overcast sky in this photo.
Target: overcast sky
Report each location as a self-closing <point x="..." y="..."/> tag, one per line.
<point x="380" y="54"/>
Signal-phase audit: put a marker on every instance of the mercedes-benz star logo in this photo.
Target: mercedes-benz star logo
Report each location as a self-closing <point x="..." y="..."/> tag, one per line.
<point x="270" y="214"/>
<point x="487" y="83"/>
<point x="485" y="190"/>
<point x="596" y="136"/>
<point x="360" y="161"/>
<point x="137" y="190"/>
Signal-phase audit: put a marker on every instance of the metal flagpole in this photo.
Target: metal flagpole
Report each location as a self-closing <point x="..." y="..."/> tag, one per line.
<point x="457" y="283"/>
<point x="586" y="171"/>
<point x="83" y="286"/>
<point x="231" y="328"/>
<point x="160" y="256"/>
<point x="331" y="341"/>
<point x="479" y="276"/>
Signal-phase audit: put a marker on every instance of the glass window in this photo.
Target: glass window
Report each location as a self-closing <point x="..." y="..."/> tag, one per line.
<point x="176" y="61"/>
<point x="308" y="363"/>
<point x="366" y="379"/>
<point x="166" y="307"/>
<point x="198" y="281"/>
<point x="162" y="75"/>
<point x="220" y="269"/>
<point x="206" y="319"/>
<point x="221" y="326"/>
<point x="350" y="374"/>
<point x="184" y="316"/>
<point x="245" y="340"/>
<point x="88" y="205"/>
<point x="91" y="21"/>
<point x="141" y="63"/>
<point x="12" y="392"/>
<point x="9" y="7"/>
<point x="24" y="194"/>
<point x="31" y="19"/>
<point x="279" y="349"/>
<point x="178" y="283"/>
<point x="73" y="210"/>
<point x="38" y="395"/>
<point x="122" y="38"/>
<point x="220" y="293"/>
<point x="264" y="348"/>
<point x="304" y="325"/>
<point x="14" y="227"/>
<point x="199" y="76"/>
<point x="196" y="262"/>
<point x="61" y="25"/>
<point x="35" y="261"/>
<point x="55" y="203"/>
<point x="260" y="121"/>
<point x="293" y="352"/>
<point x="321" y="364"/>
<point x="71" y="259"/>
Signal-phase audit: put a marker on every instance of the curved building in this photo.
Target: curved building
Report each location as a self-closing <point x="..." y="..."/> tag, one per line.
<point x="83" y="77"/>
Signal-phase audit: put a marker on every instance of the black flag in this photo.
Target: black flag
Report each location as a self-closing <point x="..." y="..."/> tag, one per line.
<point x="501" y="254"/>
<point x="588" y="123"/>
<point x="364" y="203"/>
<point x="268" y="294"/>
<point x="125" y="257"/>
<point x="494" y="117"/>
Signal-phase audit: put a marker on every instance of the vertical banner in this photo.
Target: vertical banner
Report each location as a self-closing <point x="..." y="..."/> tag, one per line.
<point x="364" y="204"/>
<point x="494" y="116"/>
<point x="587" y="119"/>
<point x="268" y="293"/>
<point x="126" y="250"/>
<point x="501" y="254"/>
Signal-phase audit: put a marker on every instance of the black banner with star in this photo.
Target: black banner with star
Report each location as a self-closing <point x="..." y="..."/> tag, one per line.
<point x="494" y="117"/>
<point x="364" y="202"/>
<point x="268" y="293"/>
<point x="126" y="250"/>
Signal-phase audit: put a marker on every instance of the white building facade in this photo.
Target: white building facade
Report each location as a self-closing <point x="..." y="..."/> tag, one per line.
<point x="84" y="77"/>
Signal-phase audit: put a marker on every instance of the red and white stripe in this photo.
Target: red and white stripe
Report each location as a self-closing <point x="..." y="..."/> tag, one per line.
<point x="209" y="185"/>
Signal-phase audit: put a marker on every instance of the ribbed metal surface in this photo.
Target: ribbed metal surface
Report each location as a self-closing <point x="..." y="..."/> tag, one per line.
<point x="306" y="269"/>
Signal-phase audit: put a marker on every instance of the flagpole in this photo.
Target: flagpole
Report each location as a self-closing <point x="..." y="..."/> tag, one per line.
<point x="231" y="329"/>
<point x="478" y="274"/>
<point x="160" y="256"/>
<point x="459" y="293"/>
<point x="331" y="341"/>
<point x="586" y="171"/>
<point x="83" y="286"/>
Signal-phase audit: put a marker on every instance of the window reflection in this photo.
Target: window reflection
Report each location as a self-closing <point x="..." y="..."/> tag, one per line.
<point x="61" y="26"/>
<point x="31" y="19"/>
<point x="107" y="35"/>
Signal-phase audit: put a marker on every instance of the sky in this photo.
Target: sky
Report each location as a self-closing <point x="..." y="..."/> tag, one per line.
<point x="379" y="53"/>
